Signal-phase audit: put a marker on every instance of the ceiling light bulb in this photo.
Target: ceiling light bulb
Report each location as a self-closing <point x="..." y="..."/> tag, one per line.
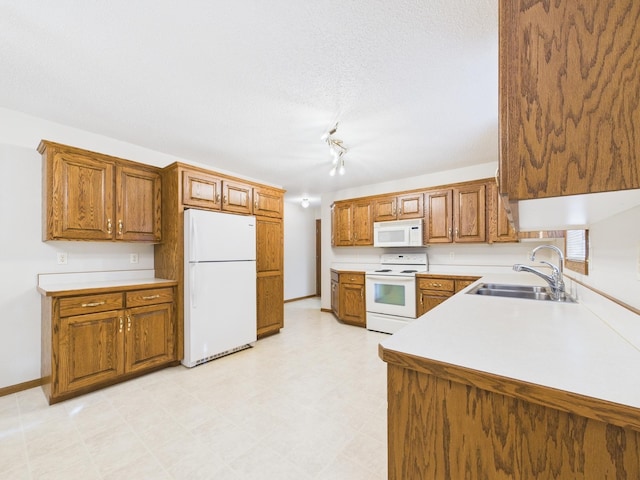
<point x="332" y="172"/>
<point x="305" y="203"/>
<point x="341" y="170"/>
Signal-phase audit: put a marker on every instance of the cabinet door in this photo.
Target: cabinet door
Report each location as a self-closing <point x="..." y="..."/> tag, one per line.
<point x="269" y="245"/>
<point x="236" y="197"/>
<point x="500" y="228"/>
<point x="428" y="300"/>
<point x="335" y="298"/>
<point x="90" y="350"/>
<point x="410" y="205"/>
<point x="201" y="190"/>
<point x="352" y="307"/>
<point x="384" y="209"/>
<point x="149" y="337"/>
<point x="362" y="225"/>
<point x="439" y="216"/>
<point x="270" y="303"/>
<point x="469" y="213"/>
<point x="267" y="202"/>
<point x="568" y="97"/>
<point x="81" y="199"/>
<point x="343" y="233"/>
<point x="139" y="205"/>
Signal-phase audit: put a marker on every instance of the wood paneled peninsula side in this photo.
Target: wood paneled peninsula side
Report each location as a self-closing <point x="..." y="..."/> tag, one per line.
<point x="500" y="388"/>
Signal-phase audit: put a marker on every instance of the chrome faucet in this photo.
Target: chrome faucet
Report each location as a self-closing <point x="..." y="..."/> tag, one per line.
<point x="555" y="280"/>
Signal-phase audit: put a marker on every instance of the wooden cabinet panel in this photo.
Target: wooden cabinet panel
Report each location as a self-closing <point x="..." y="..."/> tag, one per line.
<point x="500" y="227"/>
<point x="89" y="350"/>
<point x="270" y="303"/>
<point x="348" y="297"/>
<point x="149" y="337"/>
<point x="352" y="223"/>
<point x="201" y="190"/>
<point x="462" y="284"/>
<point x="267" y="202"/>
<point x="270" y="275"/>
<point x="398" y="207"/>
<point x="439" y="216"/>
<point x="432" y="291"/>
<point x="569" y="97"/>
<point x="469" y="213"/>
<point x="90" y="341"/>
<point x="335" y="293"/>
<point x="78" y="196"/>
<point x="91" y="196"/>
<point x="138" y="205"/>
<point x="237" y="197"/>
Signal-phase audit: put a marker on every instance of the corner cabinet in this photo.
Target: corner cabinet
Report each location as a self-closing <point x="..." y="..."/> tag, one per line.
<point x="569" y="98"/>
<point x="91" y="340"/>
<point x="91" y="196"/>
<point x="348" y="297"/>
<point x="431" y="290"/>
<point x="352" y="223"/>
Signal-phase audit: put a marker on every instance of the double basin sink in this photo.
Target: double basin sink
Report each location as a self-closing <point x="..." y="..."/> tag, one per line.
<point x="528" y="292"/>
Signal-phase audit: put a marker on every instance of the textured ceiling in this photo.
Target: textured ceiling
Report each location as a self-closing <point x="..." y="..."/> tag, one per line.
<point x="251" y="86"/>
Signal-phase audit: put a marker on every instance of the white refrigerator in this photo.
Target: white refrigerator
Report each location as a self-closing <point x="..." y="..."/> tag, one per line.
<point x="219" y="284"/>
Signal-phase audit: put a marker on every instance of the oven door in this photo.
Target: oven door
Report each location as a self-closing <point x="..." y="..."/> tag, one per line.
<point x="391" y="295"/>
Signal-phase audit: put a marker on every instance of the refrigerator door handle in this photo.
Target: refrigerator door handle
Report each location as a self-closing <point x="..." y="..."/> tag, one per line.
<point x="192" y="284"/>
<point x="194" y="239"/>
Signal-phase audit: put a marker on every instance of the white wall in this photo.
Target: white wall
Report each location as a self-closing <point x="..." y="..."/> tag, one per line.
<point x="299" y="250"/>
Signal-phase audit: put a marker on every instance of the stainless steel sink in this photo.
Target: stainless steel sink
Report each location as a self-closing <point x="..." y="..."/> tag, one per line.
<point x="528" y="292"/>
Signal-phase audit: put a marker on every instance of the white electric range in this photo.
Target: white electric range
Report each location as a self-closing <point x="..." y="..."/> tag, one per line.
<point x="391" y="291"/>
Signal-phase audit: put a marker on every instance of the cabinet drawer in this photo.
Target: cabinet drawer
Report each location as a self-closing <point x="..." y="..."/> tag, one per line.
<point x="101" y="302"/>
<point x="439" y="284"/>
<point x="357" y="279"/>
<point x="149" y="297"/>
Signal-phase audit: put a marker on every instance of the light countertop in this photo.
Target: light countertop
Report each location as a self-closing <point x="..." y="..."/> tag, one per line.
<point x="563" y="346"/>
<point x="93" y="282"/>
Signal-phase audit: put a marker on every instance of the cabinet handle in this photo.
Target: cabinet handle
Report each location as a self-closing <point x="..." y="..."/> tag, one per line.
<point x="255" y="200"/>
<point x="421" y="299"/>
<point x="457" y="236"/>
<point x="225" y="199"/>
<point x="151" y="297"/>
<point x="120" y="227"/>
<point x="449" y="232"/>
<point x="393" y="210"/>
<point x="218" y="198"/>
<point x="361" y="293"/>
<point x="121" y="325"/>
<point x="128" y="323"/>
<point x="93" y="304"/>
<point x="109" y="230"/>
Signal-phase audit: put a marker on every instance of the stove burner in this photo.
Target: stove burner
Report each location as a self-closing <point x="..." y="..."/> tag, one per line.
<point x="409" y="271"/>
<point x="384" y="270"/>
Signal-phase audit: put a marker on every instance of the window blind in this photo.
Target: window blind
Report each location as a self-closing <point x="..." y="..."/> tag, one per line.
<point x="576" y="245"/>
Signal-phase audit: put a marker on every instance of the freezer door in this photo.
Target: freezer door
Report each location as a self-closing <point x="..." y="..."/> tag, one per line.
<point x="220" y="308"/>
<point x="214" y="236"/>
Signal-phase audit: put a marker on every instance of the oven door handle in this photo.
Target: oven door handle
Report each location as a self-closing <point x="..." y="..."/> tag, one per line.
<point x="387" y="278"/>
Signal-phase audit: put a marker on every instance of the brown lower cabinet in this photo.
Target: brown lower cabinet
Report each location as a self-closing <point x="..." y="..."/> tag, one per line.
<point x="90" y="340"/>
<point x="348" y="297"/>
<point x="431" y="291"/>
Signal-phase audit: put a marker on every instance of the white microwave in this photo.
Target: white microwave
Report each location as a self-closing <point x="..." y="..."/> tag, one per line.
<point x="398" y="233"/>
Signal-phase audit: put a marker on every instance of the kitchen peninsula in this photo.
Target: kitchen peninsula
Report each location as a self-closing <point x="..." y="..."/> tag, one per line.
<point x="503" y="388"/>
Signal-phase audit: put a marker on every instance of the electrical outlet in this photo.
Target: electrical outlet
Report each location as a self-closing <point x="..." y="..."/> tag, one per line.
<point x="62" y="258"/>
<point x="133" y="258"/>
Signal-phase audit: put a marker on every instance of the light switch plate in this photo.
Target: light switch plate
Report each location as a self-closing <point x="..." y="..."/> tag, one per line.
<point x="133" y="258"/>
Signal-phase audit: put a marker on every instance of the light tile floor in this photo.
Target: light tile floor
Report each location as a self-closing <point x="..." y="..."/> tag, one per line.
<point x="308" y="403"/>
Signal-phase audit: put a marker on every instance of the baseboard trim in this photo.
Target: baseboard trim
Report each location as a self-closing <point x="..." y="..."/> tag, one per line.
<point x="20" y="387"/>
<point x="300" y="298"/>
<point x="326" y="310"/>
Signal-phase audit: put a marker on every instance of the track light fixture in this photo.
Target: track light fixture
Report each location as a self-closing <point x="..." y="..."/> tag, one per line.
<point x="337" y="151"/>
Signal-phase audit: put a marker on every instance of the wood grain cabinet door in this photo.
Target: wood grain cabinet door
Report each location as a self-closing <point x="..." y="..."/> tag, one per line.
<point x="362" y="224"/>
<point x="438" y="216"/>
<point x="149" y="337"/>
<point x="352" y="307"/>
<point x="267" y="202"/>
<point x="201" y="190"/>
<point x="270" y="303"/>
<point x="237" y="197"/>
<point x="410" y="205"/>
<point x="139" y="205"/>
<point x="81" y="200"/>
<point x="469" y="213"/>
<point x="90" y="350"/>
<point x="343" y="218"/>
<point x="384" y="209"/>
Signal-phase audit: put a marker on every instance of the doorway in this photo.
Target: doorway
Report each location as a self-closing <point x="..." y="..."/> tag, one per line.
<point x="318" y="258"/>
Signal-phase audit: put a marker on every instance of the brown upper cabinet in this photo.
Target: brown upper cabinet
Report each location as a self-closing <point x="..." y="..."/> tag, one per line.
<point x="398" y="207"/>
<point x="91" y="196"/>
<point x="203" y="190"/>
<point x="569" y="100"/>
<point x="351" y="222"/>
<point x="267" y="202"/>
<point x="456" y="215"/>
<point x="500" y="228"/>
